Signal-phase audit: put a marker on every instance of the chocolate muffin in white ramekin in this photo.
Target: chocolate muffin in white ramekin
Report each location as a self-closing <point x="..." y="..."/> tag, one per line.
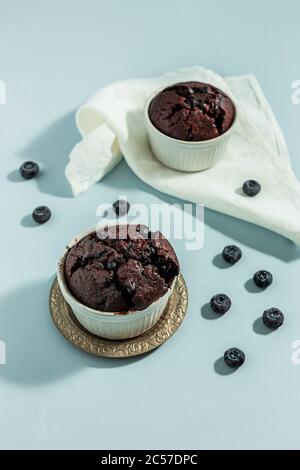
<point x="118" y="279"/>
<point x="189" y="125"/>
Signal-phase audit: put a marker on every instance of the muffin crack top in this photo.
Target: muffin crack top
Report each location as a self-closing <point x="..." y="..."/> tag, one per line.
<point x="118" y="272"/>
<point x="191" y="111"/>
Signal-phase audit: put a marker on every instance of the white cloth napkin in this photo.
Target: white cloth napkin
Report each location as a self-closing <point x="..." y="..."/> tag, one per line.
<point x="112" y="124"/>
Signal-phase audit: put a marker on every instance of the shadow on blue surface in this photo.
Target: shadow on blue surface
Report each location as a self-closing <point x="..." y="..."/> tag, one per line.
<point x="221" y="368"/>
<point x="208" y="313"/>
<point x="36" y="352"/>
<point x="51" y="149"/>
<point x="252" y="288"/>
<point x="27" y="221"/>
<point x="253" y="236"/>
<point x="220" y="263"/>
<point x="15" y="177"/>
<point x="260" y="328"/>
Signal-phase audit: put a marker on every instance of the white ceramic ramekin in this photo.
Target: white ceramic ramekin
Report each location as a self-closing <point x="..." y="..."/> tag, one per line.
<point x="182" y="155"/>
<point x="111" y="325"/>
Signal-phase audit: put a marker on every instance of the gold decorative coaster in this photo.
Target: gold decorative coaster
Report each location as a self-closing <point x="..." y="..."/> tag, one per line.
<point x="71" y="329"/>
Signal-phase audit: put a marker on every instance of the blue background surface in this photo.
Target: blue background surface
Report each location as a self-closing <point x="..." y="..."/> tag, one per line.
<point x="53" y="56"/>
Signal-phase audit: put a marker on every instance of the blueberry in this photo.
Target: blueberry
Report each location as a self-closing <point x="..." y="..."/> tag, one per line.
<point x="41" y="214"/>
<point x="273" y="318"/>
<point x="163" y="269"/>
<point x="130" y="288"/>
<point x="121" y="207"/>
<point x="251" y="188"/>
<point x="29" y="170"/>
<point x="111" y="265"/>
<point x="220" y="303"/>
<point x="263" y="279"/>
<point x="151" y="235"/>
<point x="152" y="251"/>
<point x="234" y="357"/>
<point x="232" y="254"/>
<point x="144" y="232"/>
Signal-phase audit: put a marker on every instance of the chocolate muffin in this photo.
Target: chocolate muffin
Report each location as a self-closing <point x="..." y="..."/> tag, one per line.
<point x="120" y="268"/>
<point x="192" y="111"/>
